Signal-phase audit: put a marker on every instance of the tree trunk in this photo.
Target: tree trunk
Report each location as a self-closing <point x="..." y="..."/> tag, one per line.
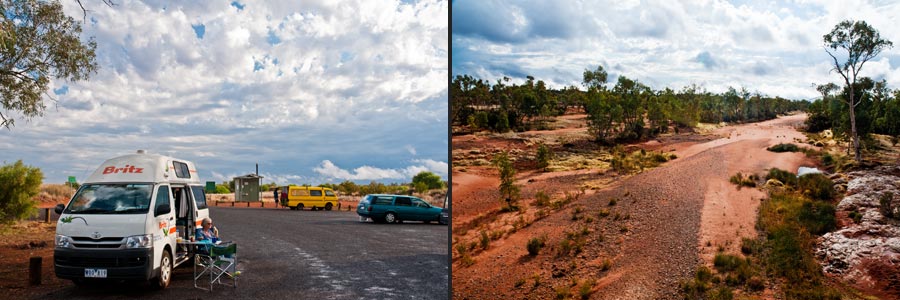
<point x="855" y="136"/>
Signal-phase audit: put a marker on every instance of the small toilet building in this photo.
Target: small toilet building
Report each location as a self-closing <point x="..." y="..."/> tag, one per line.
<point x="246" y="188"/>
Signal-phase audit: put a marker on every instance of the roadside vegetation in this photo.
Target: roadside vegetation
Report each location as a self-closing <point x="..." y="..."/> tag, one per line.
<point x="19" y="183"/>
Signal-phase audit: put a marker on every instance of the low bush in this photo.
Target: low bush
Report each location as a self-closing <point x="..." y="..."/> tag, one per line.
<point x="534" y="246"/>
<point x="817" y="217"/>
<point x="740" y="181"/>
<point x="562" y="292"/>
<point x="721" y="293"/>
<point x="603" y="213"/>
<point x="485" y="240"/>
<point x="855" y="216"/>
<point x="816" y="186"/>
<point x="726" y="262"/>
<point x="784" y="148"/>
<point x="541" y="199"/>
<point x="785" y="177"/>
<point x="586" y="289"/>
<point x="613" y="201"/>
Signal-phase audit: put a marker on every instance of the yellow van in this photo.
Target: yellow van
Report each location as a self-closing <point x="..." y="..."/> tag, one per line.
<point x="299" y="197"/>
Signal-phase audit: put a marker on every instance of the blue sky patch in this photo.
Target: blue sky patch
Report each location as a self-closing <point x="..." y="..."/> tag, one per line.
<point x="199" y="30"/>
<point x="238" y="5"/>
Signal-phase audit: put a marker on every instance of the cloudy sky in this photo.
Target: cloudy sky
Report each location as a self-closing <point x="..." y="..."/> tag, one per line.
<point x="313" y="91"/>
<point x="774" y="47"/>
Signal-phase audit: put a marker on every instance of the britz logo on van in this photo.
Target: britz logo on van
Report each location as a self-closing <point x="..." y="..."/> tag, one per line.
<point x="126" y="169"/>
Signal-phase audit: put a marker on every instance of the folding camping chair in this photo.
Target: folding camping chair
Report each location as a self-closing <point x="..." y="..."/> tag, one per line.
<point x="220" y="261"/>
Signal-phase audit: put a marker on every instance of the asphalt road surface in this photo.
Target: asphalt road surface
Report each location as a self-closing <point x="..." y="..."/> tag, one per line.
<point x="285" y="254"/>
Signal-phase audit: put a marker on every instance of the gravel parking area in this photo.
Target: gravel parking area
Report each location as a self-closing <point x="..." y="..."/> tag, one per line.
<point x="285" y="254"/>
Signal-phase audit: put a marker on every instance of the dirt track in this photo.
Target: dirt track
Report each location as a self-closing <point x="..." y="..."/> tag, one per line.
<point x="673" y="210"/>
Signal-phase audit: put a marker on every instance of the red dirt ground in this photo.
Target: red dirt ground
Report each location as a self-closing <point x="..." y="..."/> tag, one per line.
<point x="668" y="215"/>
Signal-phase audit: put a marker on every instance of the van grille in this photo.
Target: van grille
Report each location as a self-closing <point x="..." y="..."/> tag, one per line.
<point x="101" y="243"/>
<point x="101" y="262"/>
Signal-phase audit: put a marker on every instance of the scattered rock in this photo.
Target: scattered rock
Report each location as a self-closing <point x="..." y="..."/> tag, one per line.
<point x="774" y="182"/>
<point x="850" y="251"/>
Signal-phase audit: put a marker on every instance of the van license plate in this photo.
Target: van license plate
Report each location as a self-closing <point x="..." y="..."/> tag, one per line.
<point x="95" y="273"/>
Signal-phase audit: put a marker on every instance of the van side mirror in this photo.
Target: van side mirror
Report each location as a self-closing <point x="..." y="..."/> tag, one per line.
<point x="59" y="209"/>
<point x="162" y="209"/>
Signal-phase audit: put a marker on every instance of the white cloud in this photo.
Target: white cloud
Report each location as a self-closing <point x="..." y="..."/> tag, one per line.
<point x="329" y="170"/>
<point x="411" y="149"/>
<point x="161" y="88"/>
<point x="773" y="47"/>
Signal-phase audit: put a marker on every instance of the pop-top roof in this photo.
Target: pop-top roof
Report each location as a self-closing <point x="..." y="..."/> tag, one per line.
<point x="143" y="167"/>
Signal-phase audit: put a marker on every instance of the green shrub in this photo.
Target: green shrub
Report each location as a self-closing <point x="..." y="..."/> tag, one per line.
<point x="541" y="199"/>
<point x="856" y="216"/>
<point x="694" y="289"/>
<point x="726" y="262"/>
<point x="785" y="177"/>
<point x="816" y="186"/>
<point x="756" y="284"/>
<point x="613" y="201"/>
<point x="817" y="217"/>
<point x="562" y="292"/>
<point x="586" y="289"/>
<point x="607" y="264"/>
<point x="18" y="185"/>
<point x="534" y="246"/>
<point x="603" y="213"/>
<point x="784" y="148"/>
<point x="721" y="293"/>
<point x="485" y="240"/>
<point x="704" y="274"/>
<point x="520" y="282"/>
<point x="740" y="181"/>
<point x="544" y="155"/>
<point x="750" y="246"/>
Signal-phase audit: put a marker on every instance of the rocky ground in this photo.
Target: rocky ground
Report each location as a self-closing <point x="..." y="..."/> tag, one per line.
<point x="866" y="251"/>
<point x="664" y="222"/>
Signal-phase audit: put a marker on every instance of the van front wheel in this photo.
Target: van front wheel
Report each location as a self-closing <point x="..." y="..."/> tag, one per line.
<point x="328" y="206"/>
<point x="165" y="271"/>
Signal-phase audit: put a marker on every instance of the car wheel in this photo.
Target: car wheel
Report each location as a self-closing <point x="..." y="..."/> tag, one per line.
<point x="165" y="271"/>
<point x="390" y="218"/>
<point x="299" y="206"/>
<point x="328" y="206"/>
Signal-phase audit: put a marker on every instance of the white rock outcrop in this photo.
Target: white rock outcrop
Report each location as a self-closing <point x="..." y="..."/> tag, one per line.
<point x="875" y="237"/>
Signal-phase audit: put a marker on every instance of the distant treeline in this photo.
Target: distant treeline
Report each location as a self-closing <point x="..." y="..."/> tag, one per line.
<point x="878" y="110"/>
<point x="629" y="110"/>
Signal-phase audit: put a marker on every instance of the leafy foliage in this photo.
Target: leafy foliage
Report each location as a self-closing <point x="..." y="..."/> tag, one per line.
<point x="38" y="43"/>
<point x="431" y="180"/>
<point x="544" y="155"/>
<point x="508" y="189"/>
<point x="861" y="43"/>
<point x="784" y="148"/>
<point x="18" y="184"/>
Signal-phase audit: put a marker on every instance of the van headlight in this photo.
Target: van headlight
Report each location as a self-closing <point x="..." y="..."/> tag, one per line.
<point x="63" y="241"/>
<point x="139" y="241"/>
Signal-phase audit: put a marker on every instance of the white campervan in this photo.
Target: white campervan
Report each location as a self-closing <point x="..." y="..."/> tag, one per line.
<point x="124" y="221"/>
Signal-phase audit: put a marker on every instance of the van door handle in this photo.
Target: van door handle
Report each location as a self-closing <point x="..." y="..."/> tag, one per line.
<point x="171" y="218"/>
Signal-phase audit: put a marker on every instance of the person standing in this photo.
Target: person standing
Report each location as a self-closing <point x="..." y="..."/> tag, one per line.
<point x="275" y="199"/>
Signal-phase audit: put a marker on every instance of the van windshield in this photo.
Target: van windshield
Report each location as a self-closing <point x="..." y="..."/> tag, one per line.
<point x="111" y="199"/>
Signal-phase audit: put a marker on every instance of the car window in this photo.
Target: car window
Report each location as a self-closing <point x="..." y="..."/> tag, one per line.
<point x="162" y="197"/>
<point x="199" y="197"/>
<point x="403" y="201"/>
<point x="383" y="200"/>
<point x="329" y="193"/>
<point x="364" y="200"/>
<point x="181" y="170"/>
<point x="299" y="192"/>
<point x="316" y="193"/>
<point x="419" y="203"/>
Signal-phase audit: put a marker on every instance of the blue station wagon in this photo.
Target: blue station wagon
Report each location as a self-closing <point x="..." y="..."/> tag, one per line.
<point x="396" y="209"/>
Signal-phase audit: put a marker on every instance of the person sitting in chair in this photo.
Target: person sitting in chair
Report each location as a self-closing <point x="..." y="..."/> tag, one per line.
<point x="207" y="232"/>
